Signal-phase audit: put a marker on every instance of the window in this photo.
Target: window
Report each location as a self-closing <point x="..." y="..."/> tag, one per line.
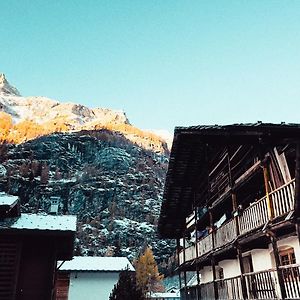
<point x="287" y="257"/>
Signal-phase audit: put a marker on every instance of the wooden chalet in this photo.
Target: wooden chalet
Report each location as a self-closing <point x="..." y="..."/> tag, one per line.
<point x="231" y="201"/>
<point x="30" y="245"/>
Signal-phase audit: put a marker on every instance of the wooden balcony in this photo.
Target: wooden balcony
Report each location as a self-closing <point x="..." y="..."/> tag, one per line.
<point x="253" y="217"/>
<point x="225" y="234"/>
<point x="204" y="246"/>
<point x="258" y="213"/>
<point x="283" y="199"/>
<point x="190" y="253"/>
<point x="230" y="288"/>
<point x="259" y="285"/>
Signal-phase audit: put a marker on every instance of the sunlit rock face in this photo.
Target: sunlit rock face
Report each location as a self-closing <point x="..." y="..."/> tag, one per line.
<point x="41" y="115"/>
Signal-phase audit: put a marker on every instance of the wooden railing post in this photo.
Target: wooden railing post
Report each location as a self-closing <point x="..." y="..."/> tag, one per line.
<point x="277" y="263"/>
<point x="243" y="280"/>
<point x="178" y="257"/>
<point x="267" y="190"/>
<point x="197" y="255"/>
<point x="236" y="221"/>
<point x="184" y="271"/>
<point x="213" y="263"/>
<point x="297" y="191"/>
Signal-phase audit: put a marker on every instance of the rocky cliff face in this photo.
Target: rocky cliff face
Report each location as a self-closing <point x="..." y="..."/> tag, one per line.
<point x="109" y="174"/>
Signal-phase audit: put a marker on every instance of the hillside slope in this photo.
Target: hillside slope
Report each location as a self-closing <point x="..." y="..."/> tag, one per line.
<point x="101" y="168"/>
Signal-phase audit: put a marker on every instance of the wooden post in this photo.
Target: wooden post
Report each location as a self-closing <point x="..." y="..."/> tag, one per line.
<point x="184" y="271"/>
<point x="178" y="251"/>
<point x="264" y="165"/>
<point x="267" y="189"/>
<point x="297" y="191"/>
<point x="213" y="263"/>
<point x="197" y="255"/>
<point x="277" y="263"/>
<point x="236" y="220"/>
<point x="243" y="282"/>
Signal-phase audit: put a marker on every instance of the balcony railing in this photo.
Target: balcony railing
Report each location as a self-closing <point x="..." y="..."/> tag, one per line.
<point x="226" y="233"/>
<point x="262" y="285"/>
<point x="254" y="216"/>
<point x="205" y="245"/>
<point x="283" y="199"/>
<point x="259" y="285"/>
<point x="190" y="253"/>
<point x="230" y="288"/>
<point x="291" y="277"/>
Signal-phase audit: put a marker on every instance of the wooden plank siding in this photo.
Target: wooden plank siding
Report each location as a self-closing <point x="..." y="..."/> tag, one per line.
<point x="62" y="286"/>
<point x="9" y="264"/>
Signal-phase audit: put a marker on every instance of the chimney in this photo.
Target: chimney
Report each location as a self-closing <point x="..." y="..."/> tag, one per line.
<point x="54" y="205"/>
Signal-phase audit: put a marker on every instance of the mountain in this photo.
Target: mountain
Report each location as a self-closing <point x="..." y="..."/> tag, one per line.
<point x="45" y="111"/>
<point x="93" y="161"/>
<point x="30" y="117"/>
<point x="6" y="88"/>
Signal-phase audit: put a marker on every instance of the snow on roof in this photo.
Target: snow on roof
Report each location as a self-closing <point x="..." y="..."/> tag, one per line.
<point x="94" y="263"/>
<point x="164" y="295"/>
<point x="6" y="199"/>
<point x="42" y="222"/>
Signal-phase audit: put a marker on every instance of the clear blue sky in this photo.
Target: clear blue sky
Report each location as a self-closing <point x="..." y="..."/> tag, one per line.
<point x="165" y="63"/>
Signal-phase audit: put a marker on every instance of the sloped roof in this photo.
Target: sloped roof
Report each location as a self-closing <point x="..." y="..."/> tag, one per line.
<point x="8" y="200"/>
<point x="187" y="163"/>
<point x="40" y="222"/>
<point x="96" y="264"/>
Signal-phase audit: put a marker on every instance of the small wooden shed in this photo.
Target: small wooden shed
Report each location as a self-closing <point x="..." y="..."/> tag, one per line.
<point x="30" y="246"/>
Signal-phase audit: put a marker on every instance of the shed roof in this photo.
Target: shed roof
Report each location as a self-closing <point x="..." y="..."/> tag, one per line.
<point x="164" y="295"/>
<point x="187" y="163"/>
<point x="8" y="200"/>
<point x="96" y="264"/>
<point x="40" y="222"/>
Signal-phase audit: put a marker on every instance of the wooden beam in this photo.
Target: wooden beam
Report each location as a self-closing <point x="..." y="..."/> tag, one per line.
<point x="213" y="265"/>
<point x="297" y="191"/>
<point x="212" y="259"/>
<point x="267" y="190"/>
<point x="197" y="254"/>
<point x="178" y="250"/>
<point x="277" y="264"/>
<point x="243" y="282"/>
<point x="248" y="173"/>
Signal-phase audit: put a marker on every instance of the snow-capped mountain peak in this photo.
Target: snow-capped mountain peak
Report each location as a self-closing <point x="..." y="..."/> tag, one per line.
<point x="37" y="116"/>
<point x="45" y="111"/>
<point x="6" y="88"/>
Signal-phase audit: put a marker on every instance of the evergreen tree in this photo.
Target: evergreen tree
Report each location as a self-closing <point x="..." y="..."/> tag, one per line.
<point x="147" y="275"/>
<point x="126" y="288"/>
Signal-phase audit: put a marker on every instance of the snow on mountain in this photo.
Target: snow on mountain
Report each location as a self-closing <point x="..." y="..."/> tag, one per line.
<point x="6" y="88"/>
<point x="165" y="135"/>
<point x="42" y="110"/>
<point x="43" y="115"/>
<point x="100" y="167"/>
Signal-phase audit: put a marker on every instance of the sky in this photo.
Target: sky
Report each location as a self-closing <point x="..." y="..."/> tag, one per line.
<point x="165" y="63"/>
